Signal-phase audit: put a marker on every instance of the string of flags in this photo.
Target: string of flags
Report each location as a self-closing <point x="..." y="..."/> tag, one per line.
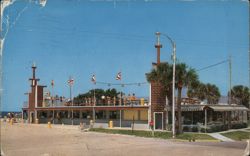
<point x="118" y="77"/>
<point x="93" y="80"/>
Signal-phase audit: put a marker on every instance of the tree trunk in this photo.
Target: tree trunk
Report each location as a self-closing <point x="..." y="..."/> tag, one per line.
<point x="179" y="131"/>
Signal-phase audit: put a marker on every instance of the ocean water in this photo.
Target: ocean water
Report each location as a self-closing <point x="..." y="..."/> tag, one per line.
<point x="4" y="113"/>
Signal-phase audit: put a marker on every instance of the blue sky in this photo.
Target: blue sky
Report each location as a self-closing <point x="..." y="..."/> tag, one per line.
<point x="79" y="38"/>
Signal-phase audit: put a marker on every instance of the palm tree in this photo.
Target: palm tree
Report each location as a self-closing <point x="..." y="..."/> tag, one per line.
<point x="185" y="77"/>
<point x="208" y="92"/>
<point x="212" y="94"/>
<point x="163" y="74"/>
<point x="240" y="95"/>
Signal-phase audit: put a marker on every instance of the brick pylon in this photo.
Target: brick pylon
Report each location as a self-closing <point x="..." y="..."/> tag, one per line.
<point x="158" y="101"/>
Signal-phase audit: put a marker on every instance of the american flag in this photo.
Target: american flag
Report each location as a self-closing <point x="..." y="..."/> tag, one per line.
<point x="71" y="81"/>
<point x="52" y="83"/>
<point x="119" y="76"/>
<point x="93" y="79"/>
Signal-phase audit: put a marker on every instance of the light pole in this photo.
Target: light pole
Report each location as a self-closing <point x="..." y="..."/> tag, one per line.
<point x="173" y="89"/>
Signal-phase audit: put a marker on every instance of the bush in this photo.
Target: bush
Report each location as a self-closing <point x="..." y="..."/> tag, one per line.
<point x="239" y="125"/>
<point x="190" y="129"/>
<point x="185" y="129"/>
<point x="214" y="128"/>
<point x="194" y="129"/>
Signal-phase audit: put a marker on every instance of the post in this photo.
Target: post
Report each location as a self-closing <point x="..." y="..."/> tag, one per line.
<point x="52" y="92"/>
<point x="1" y="53"/>
<point x="22" y="115"/>
<point x="70" y="94"/>
<point x="72" y="113"/>
<point x="230" y="79"/>
<point x="94" y="104"/>
<point x="205" y="120"/>
<point x="230" y="93"/>
<point x="71" y="82"/>
<point x="72" y="117"/>
<point x="53" y="116"/>
<point x="120" y="109"/>
<point x="133" y="122"/>
<point x="248" y="73"/>
<point x="173" y="90"/>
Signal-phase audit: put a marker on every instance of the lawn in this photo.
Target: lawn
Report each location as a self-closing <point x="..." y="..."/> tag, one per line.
<point x="163" y="135"/>
<point x="237" y="135"/>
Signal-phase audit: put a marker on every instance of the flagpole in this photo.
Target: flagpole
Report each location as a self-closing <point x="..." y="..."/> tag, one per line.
<point x="119" y="77"/>
<point x="120" y="101"/>
<point x="120" y="108"/>
<point x="72" y="104"/>
<point x="52" y="94"/>
<point x="70" y="82"/>
<point x="94" y="103"/>
<point x="94" y="106"/>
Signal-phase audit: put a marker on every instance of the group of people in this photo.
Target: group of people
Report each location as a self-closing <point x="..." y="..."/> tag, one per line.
<point x="124" y="100"/>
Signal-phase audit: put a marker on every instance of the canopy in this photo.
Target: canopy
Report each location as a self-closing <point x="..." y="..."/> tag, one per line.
<point x="216" y="108"/>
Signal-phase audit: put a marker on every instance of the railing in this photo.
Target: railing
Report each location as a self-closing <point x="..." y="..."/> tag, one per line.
<point x="115" y="103"/>
<point x="138" y="102"/>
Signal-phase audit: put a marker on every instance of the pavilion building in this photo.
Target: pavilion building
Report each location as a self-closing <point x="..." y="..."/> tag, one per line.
<point x="124" y="113"/>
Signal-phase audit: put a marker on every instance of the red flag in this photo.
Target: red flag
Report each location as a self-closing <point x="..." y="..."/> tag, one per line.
<point x="93" y="79"/>
<point x="119" y="76"/>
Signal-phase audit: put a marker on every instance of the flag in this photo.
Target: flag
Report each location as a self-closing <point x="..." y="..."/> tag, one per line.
<point x="52" y="83"/>
<point x="71" y="81"/>
<point x="119" y="76"/>
<point x="93" y="79"/>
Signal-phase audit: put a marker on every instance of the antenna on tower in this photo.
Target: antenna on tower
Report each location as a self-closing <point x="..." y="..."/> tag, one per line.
<point x="34" y="64"/>
<point x="158" y="37"/>
<point x="158" y="46"/>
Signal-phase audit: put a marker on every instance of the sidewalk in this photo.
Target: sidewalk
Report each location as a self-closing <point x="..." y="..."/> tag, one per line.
<point x="233" y="130"/>
<point x="220" y="137"/>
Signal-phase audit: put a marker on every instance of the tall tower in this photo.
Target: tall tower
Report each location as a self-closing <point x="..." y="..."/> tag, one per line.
<point x="157" y="98"/>
<point x="158" y="46"/>
<point x="35" y="96"/>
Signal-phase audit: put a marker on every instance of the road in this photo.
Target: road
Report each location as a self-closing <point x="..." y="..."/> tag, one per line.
<point x="39" y="140"/>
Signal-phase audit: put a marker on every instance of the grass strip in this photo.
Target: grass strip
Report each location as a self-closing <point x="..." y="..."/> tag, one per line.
<point x="237" y="135"/>
<point x="157" y="134"/>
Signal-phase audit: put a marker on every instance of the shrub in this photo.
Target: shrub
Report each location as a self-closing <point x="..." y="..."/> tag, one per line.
<point x="239" y="125"/>
<point x="194" y="129"/>
<point x="185" y="128"/>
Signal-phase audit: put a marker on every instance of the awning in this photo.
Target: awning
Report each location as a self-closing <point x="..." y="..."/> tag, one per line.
<point x="219" y="108"/>
<point x="192" y="108"/>
<point x="188" y="108"/>
<point x="216" y="108"/>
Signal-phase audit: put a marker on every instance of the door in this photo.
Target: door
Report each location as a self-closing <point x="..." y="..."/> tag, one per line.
<point x="158" y="120"/>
